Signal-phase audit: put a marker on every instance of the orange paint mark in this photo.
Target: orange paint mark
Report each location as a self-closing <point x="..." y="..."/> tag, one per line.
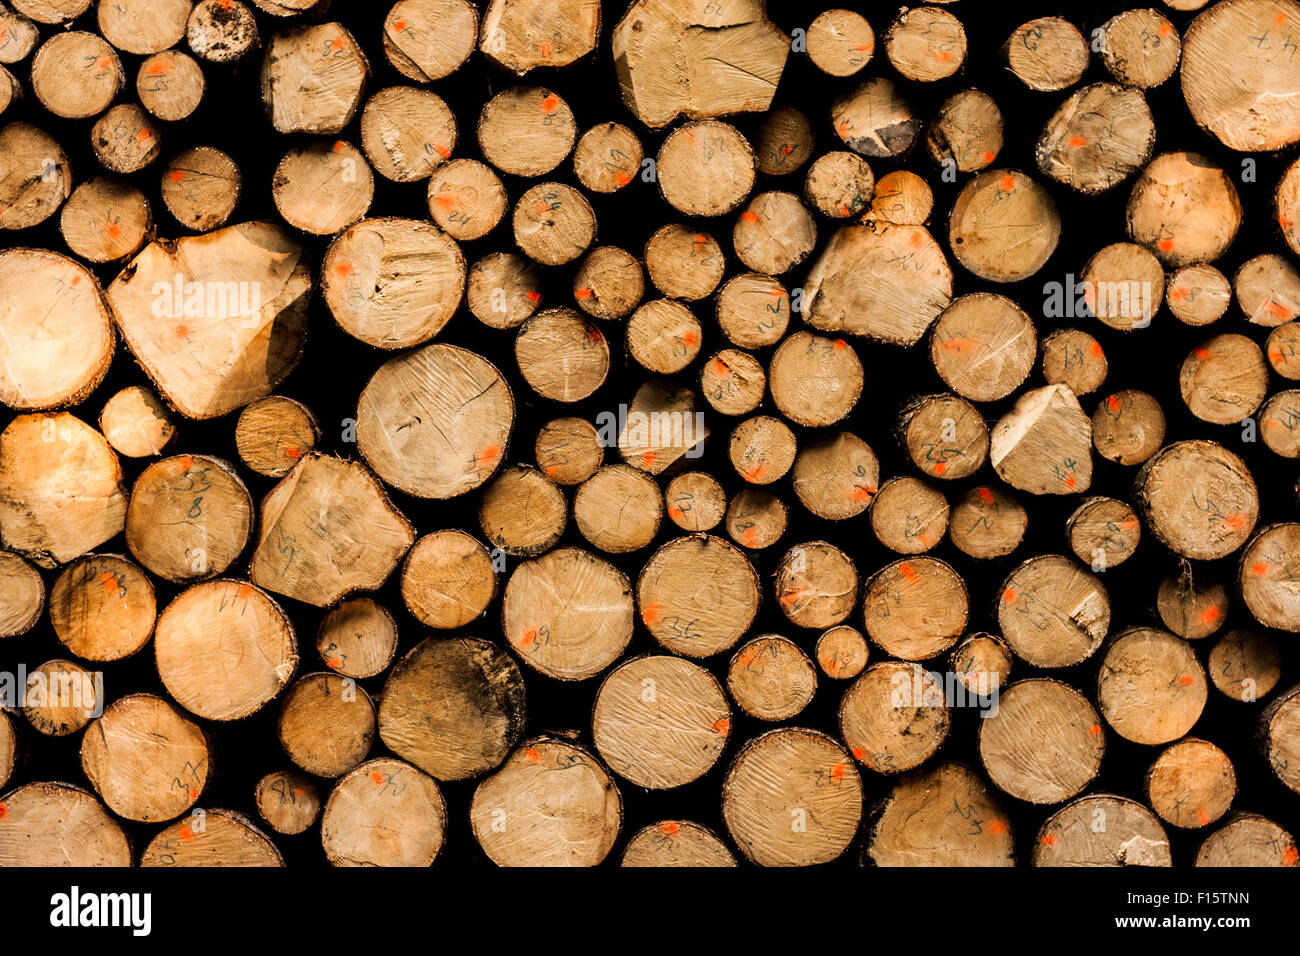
<point x="443" y="201"/>
<point x="1049" y="839"/>
<point x="177" y="176"/>
<point x="1235" y="521"/>
<point x="749" y="537"/>
<point x="4" y="811"/>
<point x="334" y="663"/>
<point x="1178" y="293"/>
<point x="244" y="590"/>
<point x="701" y="239"/>
<point x="490" y="452"/>
<point x="651" y="612"/>
<point x="1070" y="482"/>
<point x="837" y="772"/>
<point x="1280" y="19"/>
<point x="841" y="344"/>
<point x="997" y="826"/>
<point x="182" y="331"/>
<point x="533" y="296"/>
<point x="943" y="56"/>
<point x="1289" y="858"/>
<point x="583" y="294"/>
<point x="1210" y="615"/>
<point x="339" y="146"/>
<point x="113" y="230"/>
<point x="648" y="458"/>
<point x="720" y="366"/>
<point x="143" y="135"/>
<point x="344" y="269"/>
<point x="187" y="462"/>
<point x="156" y="68"/>
<point x="376" y="776"/>
<point x="1275" y="356"/>
<point x="986" y="496"/>
<point x="1166" y="245"/>
<point x="336" y="44"/>
<point x="1077" y="141"/>
<point x="989" y="156"/>
<point x="1095" y="729"/>
<point x="907" y="571"/>
<point x="1284" y="222"/>
<point x="1187" y="680"/>
<point x="1095" y="349"/>
<point x="1279" y="311"/>
<point x="1009" y="595"/>
<point x="863" y="48"/>
<point x="399" y="25"/>
<point x="722" y="725"/>
<point x="843" y="129"/>
<point x="674" y="512"/>
<point x="669" y="828"/>
<point x="1200" y="353"/>
<point x="858" y="753"/>
<point x="545" y="49"/>
<point x="109" y="581"/>
<point x="748" y="216"/>
<point x="552" y="471"/>
<point x="533" y="754"/>
<point x="551" y="103"/>
<point x="1112" y="403"/>
<point x="791" y="598"/>
<point x="185" y="833"/>
<point x="530" y="635"/>
<point x="104" y="62"/>
<point x="958" y="345"/>
<point x="1202" y="817"/>
<point x="915" y="240"/>
<point x="441" y="150"/>
<point x="1166" y="28"/>
<point x="622" y="178"/>
<point x="787" y="149"/>
<point x="1259" y="567"/>
<point x="593" y="333"/>
<point x="755" y="473"/>
<point x="940" y="467"/>
<point x="1008" y="183"/>
<point x="293" y="452"/>
<point x="860" y="493"/>
<point x="843" y="210"/>
<point x="690" y="338"/>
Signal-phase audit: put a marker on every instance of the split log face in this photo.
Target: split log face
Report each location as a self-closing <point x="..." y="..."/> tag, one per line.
<point x="908" y="516"/>
<point x="1279" y="737"/>
<point x="1184" y="208"/>
<point x="753" y="310"/>
<point x="926" y="44"/>
<point x="568" y="614"/>
<point x="816" y="381"/>
<point x="982" y="662"/>
<point x="1224" y="379"/>
<point x="1044" y="444"/>
<point x="1268" y="290"/>
<point x="384" y="813"/>
<point x="944" y="816"/>
<point x="61" y="491"/>
<point x="676" y="843"/>
<point x="705" y="168"/>
<point x="358" y="638"/>
<point x="201" y="187"/>
<point x="1151" y="688"/>
<point x="675" y="61"/>
<point x="618" y="509"/>
<point x="1004" y="226"/>
<point x="697" y="595"/>
<point x="1128" y="427"/>
<point x="1192" y="609"/>
<point x="170" y="84"/>
<point x="876" y="121"/>
<point x="1045" y="743"/>
<point x="839" y="185"/>
<point x="224" y="649"/>
<point x="684" y="263"/>
<point x="945" y="437"/>
<point x="1191" y="784"/>
<point x="288" y="801"/>
<point x="893" y="717"/>
<point x="274" y="433"/>
<point x="323" y="188"/>
<point x="733" y="382"/>
<point x="792" y="797"/>
<point x="313" y="78"/>
<point x="1131" y="835"/>
<point x="842" y="652"/>
<point x="57" y="330"/>
<point x="105" y="220"/>
<point x="1053" y="612"/>
<point x="407" y="133"/>
<point x="1236" y="88"/>
<point x="983" y="346"/>
<point x="393" y="283"/>
<point x="504" y="289"/>
<point x="22" y="596"/>
<point x="226" y="838"/>
<point x="145" y="760"/>
<point x="770" y="678"/>
<point x="1074" y="358"/>
<point x="326" y="724"/>
<point x="61" y="698"/>
<point x="466" y="199"/>
<point x="660" y="722"/>
<point x="54" y="824"/>
<point x="328" y="530"/>
<point x="835" y="477"/>
<point x="1198" y="294"/>
<point x="102" y="607"/>
<point x="550" y="804"/>
<point x="1047" y="54"/>
<point x="189" y="517"/>
<point x="1103" y="532"/>
<point x="915" y="609"/>
<point x="840" y="42"/>
<point x="76" y="75"/>
<point x="35" y="176"/>
<point x="1268" y="577"/>
<point x="459" y="441"/>
<point x="426" y="40"/>
<point x="522" y="512"/>
<point x="253" y="273"/>
<point x="448" y="579"/>
<point x="695" y="501"/>
<point x="1097" y="138"/>
<point x="987" y="523"/>
<point x="1198" y="499"/>
<point x="1245" y="665"/>
<point x="1248" y="840"/>
<point x="607" y="157"/>
<point x="568" y="450"/>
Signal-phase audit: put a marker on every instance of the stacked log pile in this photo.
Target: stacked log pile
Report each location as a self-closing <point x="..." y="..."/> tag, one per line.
<point x="674" y="433"/>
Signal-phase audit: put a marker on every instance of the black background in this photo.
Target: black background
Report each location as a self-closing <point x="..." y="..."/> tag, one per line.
<point x="335" y="368"/>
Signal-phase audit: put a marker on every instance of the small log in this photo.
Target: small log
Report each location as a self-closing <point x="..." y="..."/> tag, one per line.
<point x="18" y="35"/>
<point x="983" y="663"/>
<point x="663" y="336"/>
<point x="839" y="185"/>
<point x="1045" y="743"/>
<point x="553" y="224"/>
<point x="1279" y="737"/>
<point x="618" y="509"/>
<point x="1004" y="226"/>
<point x="756" y="519"/>
<point x="1198" y="294"/>
<point x="1053" y="612"/>
<point x="201" y="188"/>
<point x="1073" y="358"/>
<point x="189" y="517"/>
<point x="323" y="188"/>
<point x="145" y="760"/>
<point x="61" y="697"/>
<point x="1046" y="54"/>
<point x="1281" y="350"/>
<point x="753" y="310"/>
<point x="840" y="42"/>
<point x="1245" y="665"/>
<point x="223" y="31"/>
<point x="815" y="381"/>
<point x="568" y="450"/>
<point x="407" y="133"/>
<point x="227" y="838"/>
<point x="695" y="501"/>
<point x="526" y="814"/>
<point x="893" y="717"/>
<point x="792" y="797"/>
<point x="842" y="652"/>
<point x="1198" y="499"/>
<point x="170" y="85"/>
<point x="676" y="843"/>
<point x="1268" y="577"/>
<point x="902" y="198"/>
<point x="1268" y="290"/>
<point x="313" y="78"/>
<point x="908" y="516"/>
<point x="987" y="523"/>
<point x="1224" y="379"/>
<point x="522" y="511"/>
<point x="733" y="382"/>
<point x="1101" y="135"/>
<point x="326" y="724"/>
<point x="448" y="579"/>
<point x="1191" y="784"/>
<point x="1131" y="835"/>
<point x="945" y="816"/>
<point x="1248" y="840"/>
<point x="1103" y="532"/>
<point x="967" y="131"/>
<point x="358" y="638"/>
<point x="76" y="75"/>
<point x="384" y="813"/>
<point x="762" y="449"/>
<point x="8" y="750"/>
<point x="926" y="44"/>
<point x="503" y="289"/>
<point x="22" y="598"/>
<point x="426" y="40"/>
<point x="608" y="283"/>
<point x="946" y="437"/>
<point x="1278" y="419"/>
<point x="466" y="199"/>
<point x="774" y="233"/>
<point x="816" y="585"/>
<point x="102" y="607"/>
<point x="125" y="139"/>
<point x="35" y="176"/>
<point x="1184" y="208"/>
<point x="607" y="158"/>
<point x="697" y="595"/>
<point x="1140" y="48"/>
<point x="105" y="220"/>
<point x="287" y="801"/>
<point x="770" y="678"/>
<point x="274" y="433"/>
<point x="876" y="121"/>
<point x="224" y="649"/>
<point x="785" y="141"/>
<point x="683" y="263"/>
<point x="518" y="35"/>
<point x="568" y="614"/>
<point x="983" y="346"/>
<point x="1128" y="427"/>
<point x="1151" y="688"/>
<point x="660" y="722"/>
<point x="526" y="131"/>
<point x="916" y="608"/>
<point x="1123" y="286"/>
<point x="705" y="168"/>
<point x="1192" y="609"/>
